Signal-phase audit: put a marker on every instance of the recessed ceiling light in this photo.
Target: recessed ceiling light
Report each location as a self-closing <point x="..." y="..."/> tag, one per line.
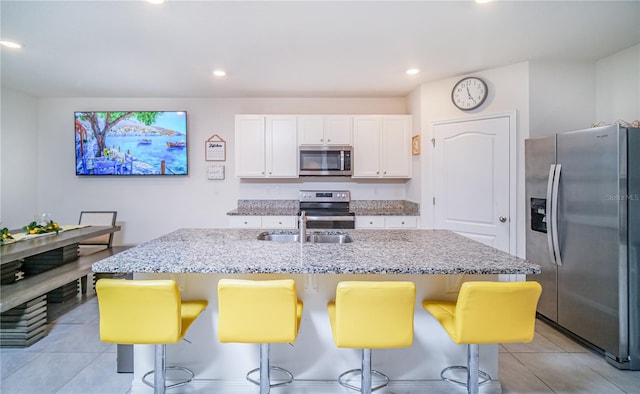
<point x="482" y="1"/>
<point x="156" y="1"/>
<point x="10" y="44"/>
<point x="219" y="73"/>
<point x="413" y="71"/>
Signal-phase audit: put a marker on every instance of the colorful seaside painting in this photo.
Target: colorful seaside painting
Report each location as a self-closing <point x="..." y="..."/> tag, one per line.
<point x="131" y="143"/>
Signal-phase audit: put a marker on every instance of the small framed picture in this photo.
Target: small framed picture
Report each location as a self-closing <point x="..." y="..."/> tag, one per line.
<point x="415" y="145"/>
<point x="215" y="149"/>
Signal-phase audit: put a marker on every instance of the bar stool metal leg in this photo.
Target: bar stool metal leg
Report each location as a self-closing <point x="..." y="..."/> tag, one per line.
<point x="475" y="377"/>
<point x="264" y="381"/>
<point x="265" y="371"/>
<point x="160" y="369"/>
<point x="366" y="376"/>
<point x="159" y="372"/>
<point x="473" y="369"/>
<point x="365" y="381"/>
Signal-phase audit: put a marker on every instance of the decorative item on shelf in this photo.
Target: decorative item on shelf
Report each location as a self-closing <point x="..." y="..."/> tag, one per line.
<point x="6" y="235"/>
<point x="415" y="145"/>
<point x="215" y="149"/>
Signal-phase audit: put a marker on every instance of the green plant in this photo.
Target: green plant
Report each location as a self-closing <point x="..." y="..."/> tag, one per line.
<point x="49" y="227"/>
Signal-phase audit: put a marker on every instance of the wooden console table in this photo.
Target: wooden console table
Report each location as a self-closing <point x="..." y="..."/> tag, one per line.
<point x="23" y="303"/>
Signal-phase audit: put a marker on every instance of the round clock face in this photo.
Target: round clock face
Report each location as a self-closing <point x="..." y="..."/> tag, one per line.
<point x="469" y="93"/>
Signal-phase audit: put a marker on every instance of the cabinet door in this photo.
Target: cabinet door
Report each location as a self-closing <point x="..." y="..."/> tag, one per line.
<point x="249" y="146"/>
<point x="311" y="130"/>
<point x="396" y="146"/>
<point x="337" y="130"/>
<point x="282" y="146"/>
<point x="366" y="146"/>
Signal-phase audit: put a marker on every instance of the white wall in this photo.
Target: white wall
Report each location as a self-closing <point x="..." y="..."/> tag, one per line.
<point x="414" y="186"/>
<point x="19" y="158"/>
<point x="562" y="97"/>
<point x="508" y="91"/>
<point x="618" y="86"/>
<point x="150" y="207"/>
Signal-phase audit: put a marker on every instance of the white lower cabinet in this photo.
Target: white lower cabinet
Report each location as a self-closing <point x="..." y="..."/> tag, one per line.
<point x="386" y="222"/>
<point x="263" y="222"/>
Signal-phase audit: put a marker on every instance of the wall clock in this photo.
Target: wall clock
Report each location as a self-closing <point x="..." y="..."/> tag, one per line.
<point x="469" y="93"/>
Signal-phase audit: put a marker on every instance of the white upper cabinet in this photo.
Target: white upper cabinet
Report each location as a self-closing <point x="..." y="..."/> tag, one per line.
<point x="282" y="146"/>
<point x="250" y="146"/>
<point x="266" y="146"/>
<point x="396" y="146"/>
<point x="324" y="129"/>
<point x="382" y="146"/>
<point x="366" y="146"/>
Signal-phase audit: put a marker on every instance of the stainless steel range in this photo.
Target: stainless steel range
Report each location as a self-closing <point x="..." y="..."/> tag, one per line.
<point x="327" y="209"/>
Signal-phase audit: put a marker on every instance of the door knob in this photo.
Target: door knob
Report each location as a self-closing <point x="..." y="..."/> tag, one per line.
<point x="502" y="219"/>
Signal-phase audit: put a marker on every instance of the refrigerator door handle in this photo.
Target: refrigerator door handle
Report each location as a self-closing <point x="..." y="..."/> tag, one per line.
<point x="554" y="214"/>
<point x="550" y="228"/>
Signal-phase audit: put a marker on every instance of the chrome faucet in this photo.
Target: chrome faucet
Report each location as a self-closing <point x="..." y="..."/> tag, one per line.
<point x="302" y="224"/>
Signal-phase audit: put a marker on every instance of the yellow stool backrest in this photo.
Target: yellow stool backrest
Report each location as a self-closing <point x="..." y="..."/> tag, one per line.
<point x="371" y="315"/>
<point x="139" y="311"/>
<point x="496" y="312"/>
<point x="253" y="311"/>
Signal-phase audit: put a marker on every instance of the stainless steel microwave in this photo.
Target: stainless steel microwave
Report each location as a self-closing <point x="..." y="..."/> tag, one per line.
<point x="325" y="160"/>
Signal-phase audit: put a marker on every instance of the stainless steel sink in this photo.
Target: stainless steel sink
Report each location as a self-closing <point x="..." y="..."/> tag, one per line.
<point x="279" y="237"/>
<point x="329" y="238"/>
<point x="340" y="238"/>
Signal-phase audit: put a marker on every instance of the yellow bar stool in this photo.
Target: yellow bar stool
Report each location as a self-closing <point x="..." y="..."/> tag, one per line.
<point x="371" y="315"/>
<point x="262" y="312"/>
<point x="141" y="312"/>
<point x="486" y="313"/>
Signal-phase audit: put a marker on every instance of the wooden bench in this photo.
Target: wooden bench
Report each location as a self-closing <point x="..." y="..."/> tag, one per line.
<point x="29" y="288"/>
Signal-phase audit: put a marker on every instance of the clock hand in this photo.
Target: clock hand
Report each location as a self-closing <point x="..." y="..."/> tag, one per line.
<point x="469" y="93"/>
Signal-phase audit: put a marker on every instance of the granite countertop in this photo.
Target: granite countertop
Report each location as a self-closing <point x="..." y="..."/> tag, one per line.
<point x="372" y="252"/>
<point x="358" y="207"/>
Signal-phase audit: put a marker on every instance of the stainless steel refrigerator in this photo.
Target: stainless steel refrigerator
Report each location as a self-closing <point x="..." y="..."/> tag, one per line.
<point x="583" y="228"/>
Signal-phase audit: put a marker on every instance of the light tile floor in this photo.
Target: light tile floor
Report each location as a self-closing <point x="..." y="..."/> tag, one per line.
<point x="72" y="360"/>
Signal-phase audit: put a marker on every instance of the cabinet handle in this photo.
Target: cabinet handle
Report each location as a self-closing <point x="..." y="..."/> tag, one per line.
<point x="279" y="222"/>
<point x="328" y="139"/>
<point x="385" y="173"/>
<point x="402" y="222"/>
<point x="377" y="172"/>
<point x="246" y="222"/>
<point x="270" y="172"/>
<point x="262" y="172"/>
<point x="370" y="222"/>
<point x="321" y="139"/>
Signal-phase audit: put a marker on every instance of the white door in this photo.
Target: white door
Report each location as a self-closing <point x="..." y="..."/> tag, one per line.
<point x="471" y="179"/>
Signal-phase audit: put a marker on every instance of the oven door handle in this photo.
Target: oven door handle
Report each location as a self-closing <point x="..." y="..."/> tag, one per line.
<point x="331" y="218"/>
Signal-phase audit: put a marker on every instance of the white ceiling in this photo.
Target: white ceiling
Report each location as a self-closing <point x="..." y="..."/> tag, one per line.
<point x="293" y="48"/>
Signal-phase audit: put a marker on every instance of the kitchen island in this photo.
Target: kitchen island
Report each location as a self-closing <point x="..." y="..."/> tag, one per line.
<point x="437" y="261"/>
